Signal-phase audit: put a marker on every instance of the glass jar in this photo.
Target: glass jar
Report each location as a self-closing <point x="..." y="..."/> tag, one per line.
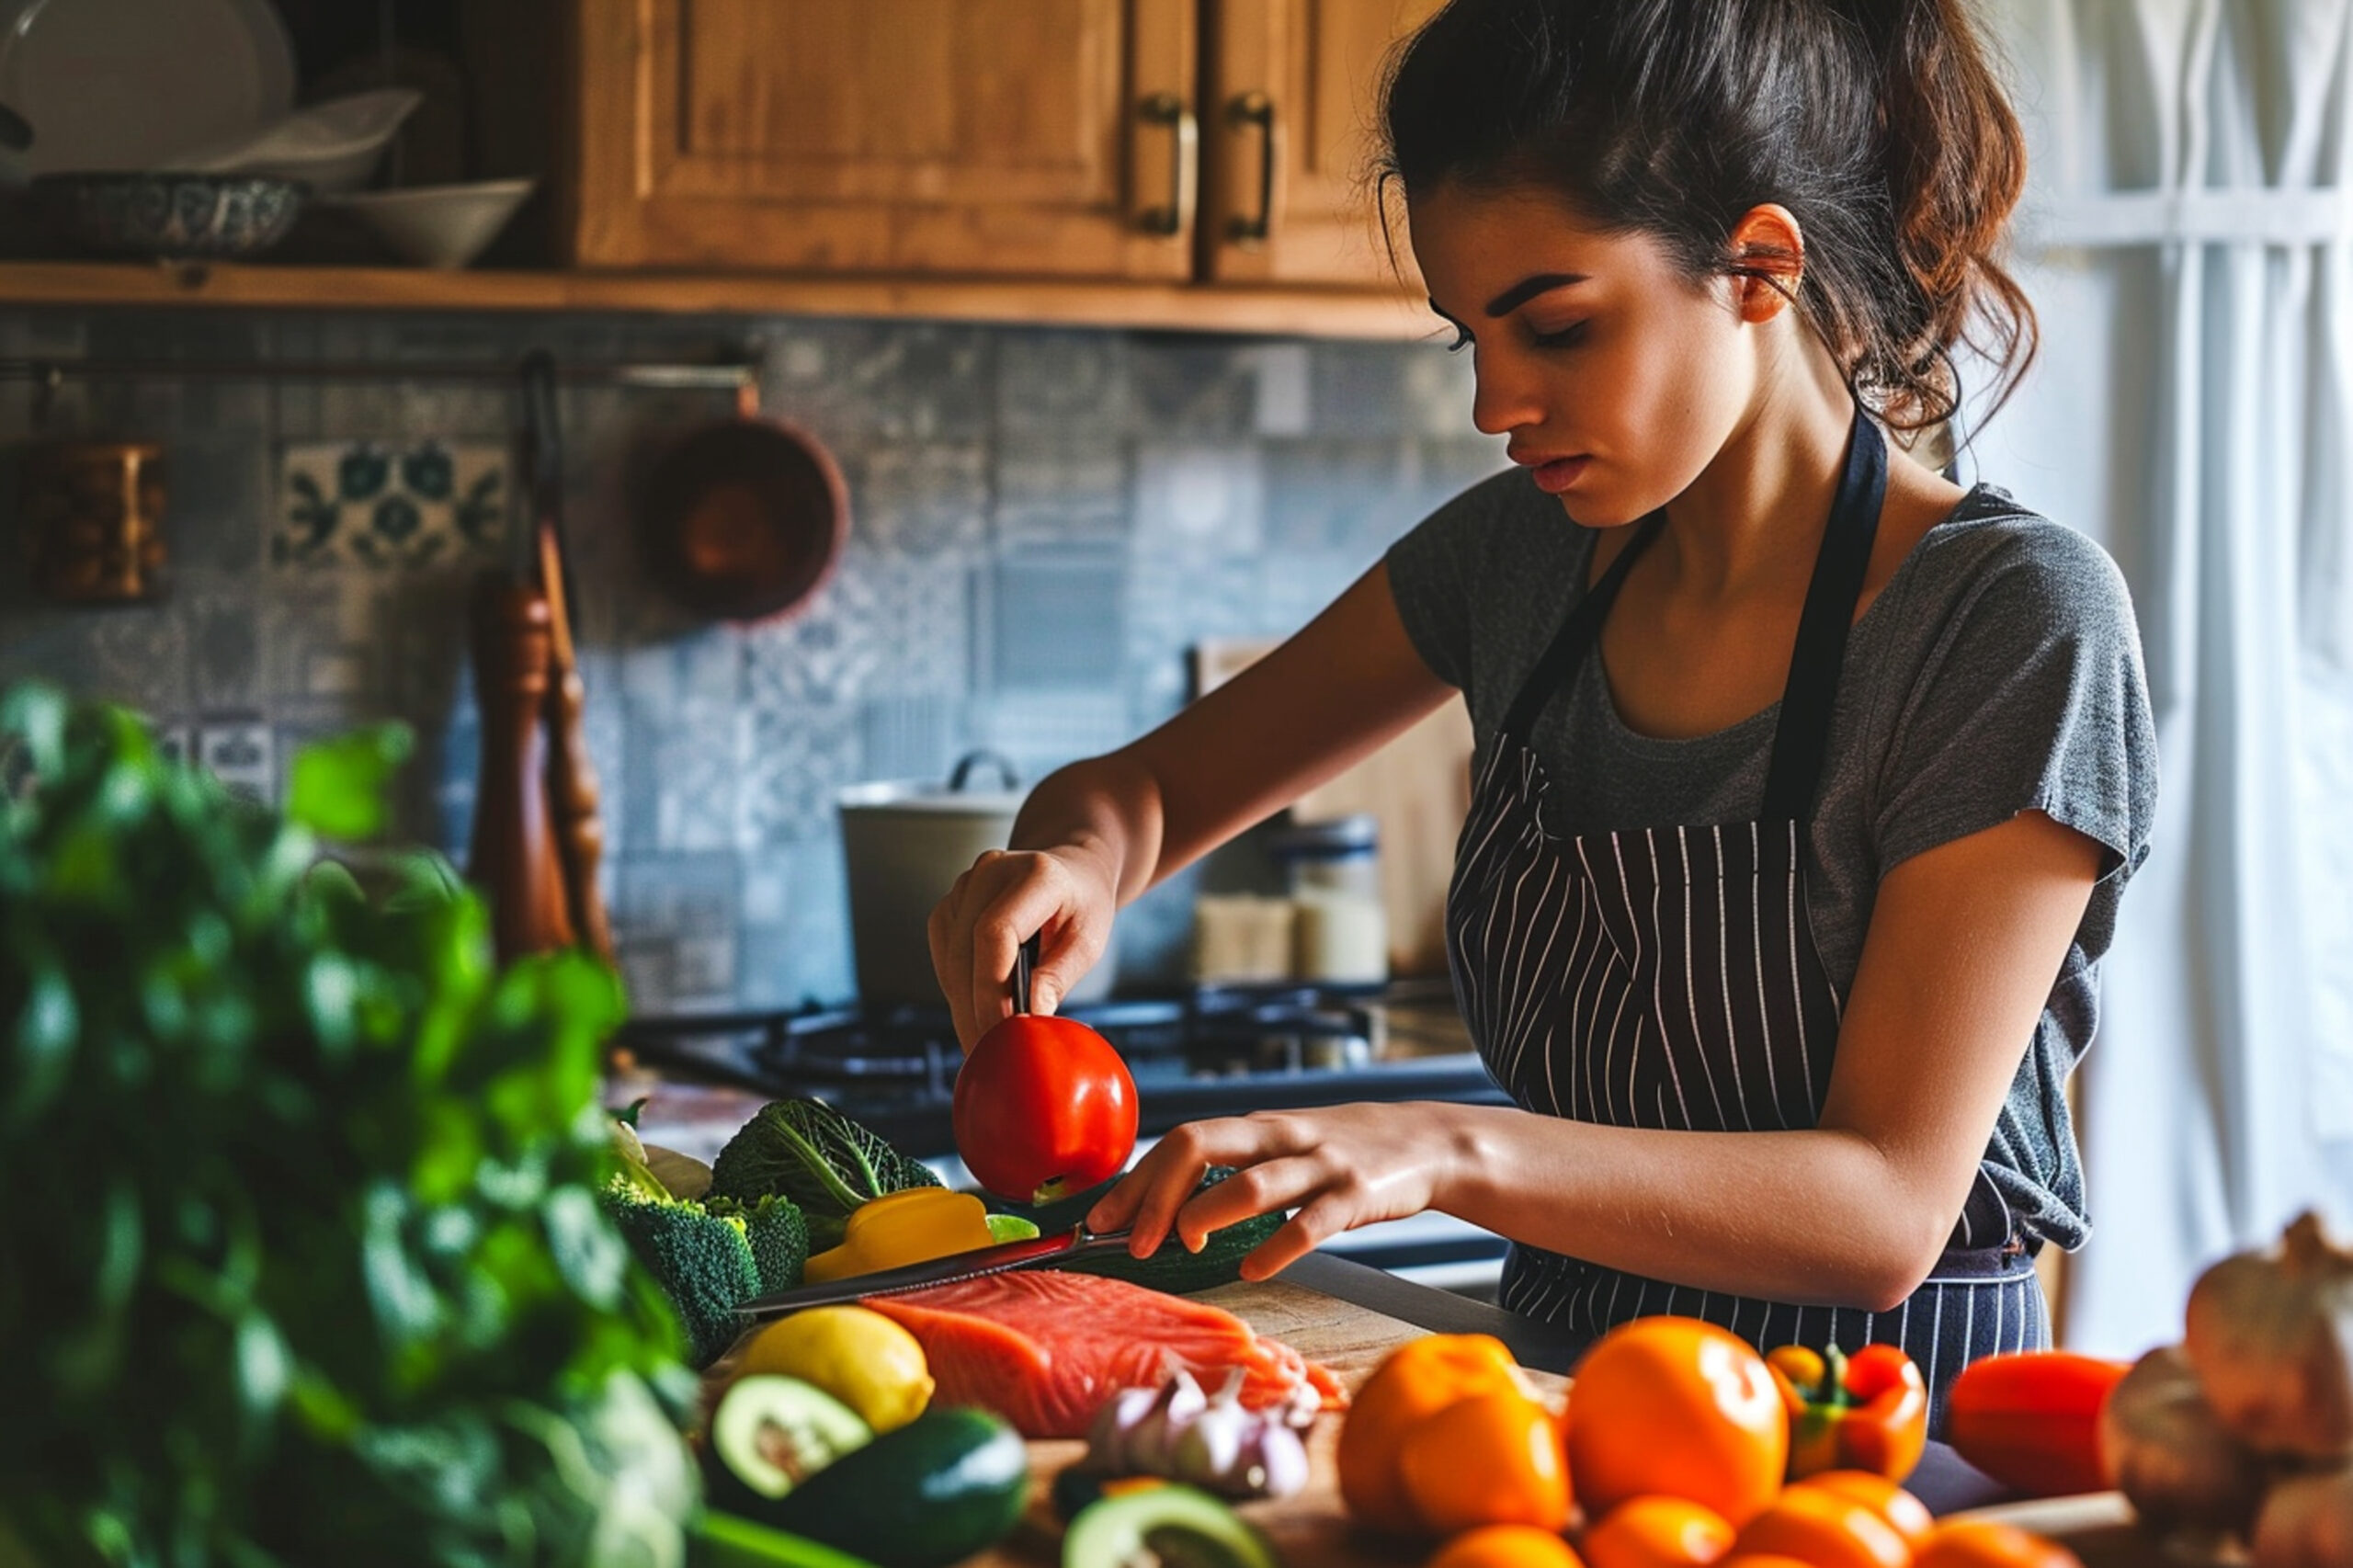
<point x="1340" y="929"/>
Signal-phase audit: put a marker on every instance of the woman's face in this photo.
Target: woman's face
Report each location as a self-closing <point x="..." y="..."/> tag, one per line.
<point x="1617" y="379"/>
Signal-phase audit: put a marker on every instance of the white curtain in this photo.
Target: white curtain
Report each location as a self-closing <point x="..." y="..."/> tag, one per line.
<point x="2189" y="240"/>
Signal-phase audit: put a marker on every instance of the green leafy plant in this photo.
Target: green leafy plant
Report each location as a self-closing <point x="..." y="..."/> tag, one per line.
<point x="812" y="1153"/>
<point x="305" y="1260"/>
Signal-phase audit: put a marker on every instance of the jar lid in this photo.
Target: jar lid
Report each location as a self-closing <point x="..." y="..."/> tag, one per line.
<point x="1341" y="838"/>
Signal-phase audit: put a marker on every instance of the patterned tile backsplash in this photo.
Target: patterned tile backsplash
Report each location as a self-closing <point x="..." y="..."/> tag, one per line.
<point x="1042" y="523"/>
<point x="366" y="505"/>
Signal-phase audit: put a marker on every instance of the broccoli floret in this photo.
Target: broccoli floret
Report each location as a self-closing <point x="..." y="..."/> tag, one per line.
<point x="778" y="1233"/>
<point x="702" y="1261"/>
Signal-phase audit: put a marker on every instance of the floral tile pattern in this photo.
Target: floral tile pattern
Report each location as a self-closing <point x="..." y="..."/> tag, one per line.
<point x="242" y="754"/>
<point x="387" y="507"/>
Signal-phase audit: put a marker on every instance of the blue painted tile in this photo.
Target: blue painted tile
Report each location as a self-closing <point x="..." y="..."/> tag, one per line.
<point x="1359" y="389"/>
<point x="1182" y="385"/>
<point x="1055" y="488"/>
<point x="680" y="779"/>
<point x="925" y="500"/>
<point x="911" y="737"/>
<point x="1326" y="493"/>
<point x="1062" y="383"/>
<point x="392" y="506"/>
<point x="1194" y="499"/>
<point x="1057" y="618"/>
<point x="217" y="504"/>
<point x="674" y="928"/>
<point x="1039" y="731"/>
<point x="797" y="950"/>
<point x="791" y="762"/>
<point x="241" y="754"/>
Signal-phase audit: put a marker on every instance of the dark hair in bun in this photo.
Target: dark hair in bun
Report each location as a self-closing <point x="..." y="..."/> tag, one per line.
<point x="1880" y="124"/>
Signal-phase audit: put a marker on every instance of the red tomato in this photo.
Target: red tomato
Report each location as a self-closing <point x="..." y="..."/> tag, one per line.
<point x="1044" y="1107"/>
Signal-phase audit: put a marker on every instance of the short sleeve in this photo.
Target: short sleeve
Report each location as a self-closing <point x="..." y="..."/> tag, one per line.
<point x="2032" y="697"/>
<point x="1432" y="570"/>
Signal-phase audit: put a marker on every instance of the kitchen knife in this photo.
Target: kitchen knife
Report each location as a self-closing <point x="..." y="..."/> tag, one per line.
<point x="1036" y="1252"/>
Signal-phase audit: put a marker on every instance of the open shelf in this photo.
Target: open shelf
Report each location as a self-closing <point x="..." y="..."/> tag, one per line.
<point x="1193" y="307"/>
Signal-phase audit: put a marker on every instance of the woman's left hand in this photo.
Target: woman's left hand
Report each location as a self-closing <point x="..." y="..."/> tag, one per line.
<point x="1340" y="1167"/>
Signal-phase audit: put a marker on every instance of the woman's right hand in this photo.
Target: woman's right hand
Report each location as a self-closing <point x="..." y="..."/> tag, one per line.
<point x="1061" y="895"/>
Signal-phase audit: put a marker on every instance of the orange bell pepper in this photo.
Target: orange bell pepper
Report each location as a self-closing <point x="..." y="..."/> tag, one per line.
<point x="1419" y="1381"/>
<point x="1868" y="1411"/>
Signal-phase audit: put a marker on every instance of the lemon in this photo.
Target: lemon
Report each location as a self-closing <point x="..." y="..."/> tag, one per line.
<point x="859" y="1357"/>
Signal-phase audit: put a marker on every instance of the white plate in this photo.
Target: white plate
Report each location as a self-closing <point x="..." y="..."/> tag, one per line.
<point x="135" y="84"/>
<point x="331" y="146"/>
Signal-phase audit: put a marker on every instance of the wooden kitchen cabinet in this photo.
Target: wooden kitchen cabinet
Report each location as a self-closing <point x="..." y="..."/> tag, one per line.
<point x="1199" y="141"/>
<point x="979" y="137"/>
<point x="1290" y="95"/>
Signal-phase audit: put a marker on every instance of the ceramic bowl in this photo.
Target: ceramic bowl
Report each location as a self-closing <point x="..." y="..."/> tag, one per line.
<point x="166" y="216"/>
<point x="438" y="225"/>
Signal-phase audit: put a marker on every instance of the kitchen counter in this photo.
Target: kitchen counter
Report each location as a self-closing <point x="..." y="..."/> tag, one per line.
<point x="1348" y="1317"/>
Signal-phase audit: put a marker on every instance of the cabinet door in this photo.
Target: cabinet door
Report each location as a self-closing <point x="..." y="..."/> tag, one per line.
<point x="1045" y="137"/>
<point x="1288" y="118"/>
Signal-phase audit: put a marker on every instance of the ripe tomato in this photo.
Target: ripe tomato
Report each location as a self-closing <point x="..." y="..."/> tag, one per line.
<point x="1818" y="1525"/>
<point x="1417" y="1379"/>
<point x="1043" y="1106"/>
<point x="1657" y="1532"/>
<point x="1505" y="1546"/>
<point x="1987" y="1543"/>
<point x="1492" y="1458"/>
<point x="1676" y="1405"/>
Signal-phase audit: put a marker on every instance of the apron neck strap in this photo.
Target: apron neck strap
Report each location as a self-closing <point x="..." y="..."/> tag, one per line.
<point x="1839" y="566"/>
<point x="1576" y="636"/>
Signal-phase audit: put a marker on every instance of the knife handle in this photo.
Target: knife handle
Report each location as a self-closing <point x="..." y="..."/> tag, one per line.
<point x="1003" y="1258"/>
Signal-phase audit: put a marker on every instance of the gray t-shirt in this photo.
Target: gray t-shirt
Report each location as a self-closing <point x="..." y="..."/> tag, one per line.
<point x="1998" y="672"/>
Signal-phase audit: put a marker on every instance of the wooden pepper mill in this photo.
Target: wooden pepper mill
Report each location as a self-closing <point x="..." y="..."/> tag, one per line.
<point x="513" y="857"/>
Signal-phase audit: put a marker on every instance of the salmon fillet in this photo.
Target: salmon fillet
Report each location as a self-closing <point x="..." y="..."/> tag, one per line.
<point x="1045" y="1349"/>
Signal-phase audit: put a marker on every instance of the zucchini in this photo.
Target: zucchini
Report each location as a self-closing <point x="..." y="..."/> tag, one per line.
<point x="942" y="1487"/>
<point x="1172" y="1268"/>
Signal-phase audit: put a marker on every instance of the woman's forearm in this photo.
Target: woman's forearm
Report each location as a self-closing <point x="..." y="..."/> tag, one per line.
<point x="1819" y="1217"/>
<point x="1106" y="809"/>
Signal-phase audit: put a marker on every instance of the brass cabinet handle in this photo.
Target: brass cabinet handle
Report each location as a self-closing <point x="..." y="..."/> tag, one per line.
<point x="1248" y="109"/>
<point x="1184" y="170"/>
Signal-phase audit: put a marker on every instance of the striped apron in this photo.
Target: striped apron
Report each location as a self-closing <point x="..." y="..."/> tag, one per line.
<point x="1667" y="977"/>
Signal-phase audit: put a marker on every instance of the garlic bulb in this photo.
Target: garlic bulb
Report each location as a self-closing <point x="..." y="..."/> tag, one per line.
<point x="2270" y="1334"/>
<point x="2307" y="1521"/>
<point x="2164" y="1448"/>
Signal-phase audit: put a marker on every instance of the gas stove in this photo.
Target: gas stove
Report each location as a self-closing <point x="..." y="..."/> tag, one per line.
<point x="1213" y="1050"/>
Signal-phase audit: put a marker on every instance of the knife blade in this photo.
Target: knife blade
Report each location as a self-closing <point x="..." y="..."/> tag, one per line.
<point x="1035" y="1252"/>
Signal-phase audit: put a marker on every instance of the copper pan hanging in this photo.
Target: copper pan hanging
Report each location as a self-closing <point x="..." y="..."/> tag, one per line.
<point x="743" y="519"/>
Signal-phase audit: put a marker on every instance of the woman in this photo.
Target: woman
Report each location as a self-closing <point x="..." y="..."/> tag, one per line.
<point x="1807" y="782"/>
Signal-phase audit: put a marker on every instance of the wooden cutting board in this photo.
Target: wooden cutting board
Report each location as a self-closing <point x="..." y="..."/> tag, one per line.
<point x="1310" y="1530"/>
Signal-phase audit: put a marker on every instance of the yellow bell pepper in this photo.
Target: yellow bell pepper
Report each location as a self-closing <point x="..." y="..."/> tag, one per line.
<point x="899" y="1228"/>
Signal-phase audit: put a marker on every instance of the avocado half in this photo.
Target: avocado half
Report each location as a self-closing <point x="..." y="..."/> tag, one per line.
<point x="1178" y="1526"/>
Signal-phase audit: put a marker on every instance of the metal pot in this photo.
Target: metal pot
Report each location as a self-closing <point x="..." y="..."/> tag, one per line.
<point x="905" y="841"/>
